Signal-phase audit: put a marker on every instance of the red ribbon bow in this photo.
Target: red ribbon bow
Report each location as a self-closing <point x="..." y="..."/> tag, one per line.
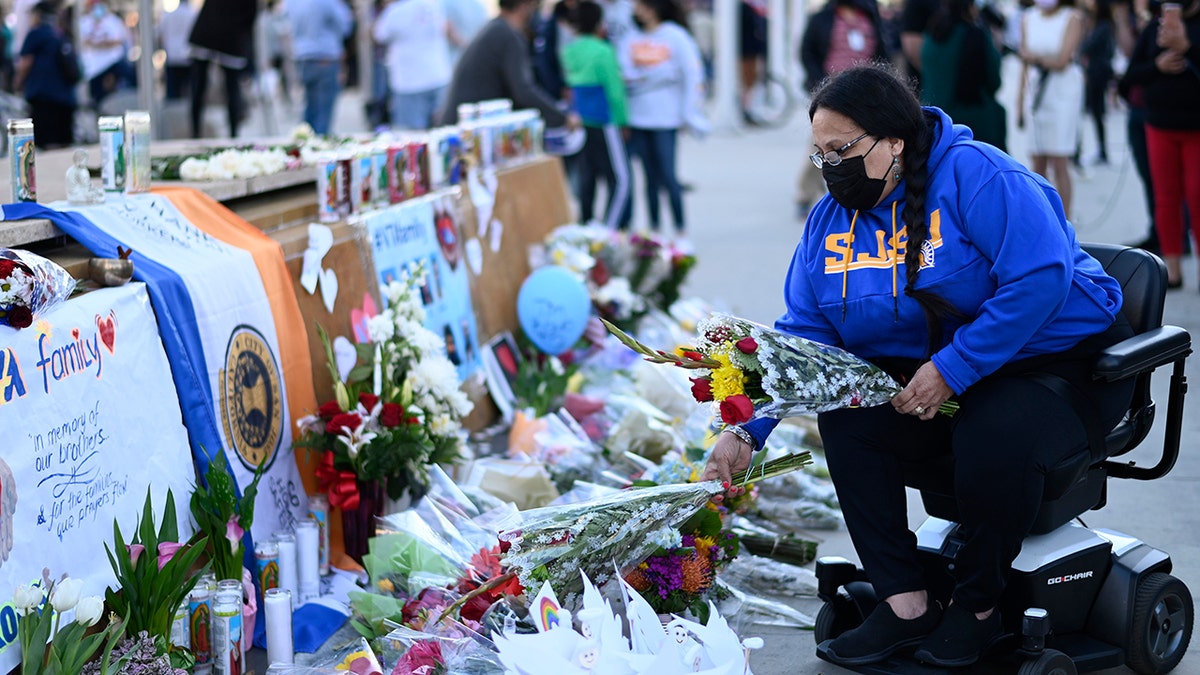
<point x="342" y="486"/>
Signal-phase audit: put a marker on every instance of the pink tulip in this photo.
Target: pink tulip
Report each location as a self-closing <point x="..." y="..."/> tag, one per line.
<point x="135" y="552"/>
<point x="234" y="532"/>
<point x="166" y="551"/>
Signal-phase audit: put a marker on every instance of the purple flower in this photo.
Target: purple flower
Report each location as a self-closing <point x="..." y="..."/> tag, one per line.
<point x="234" y="532"/>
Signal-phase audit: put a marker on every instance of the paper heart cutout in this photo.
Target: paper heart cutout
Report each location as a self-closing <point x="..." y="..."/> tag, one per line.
<point x="345" y="355"/>
<point x="75" y="334"/>
<point x="329" y="289"/>
<point x="359" y="317"/>
<point x="474" y="251"/>
<point x="108" y="330"/>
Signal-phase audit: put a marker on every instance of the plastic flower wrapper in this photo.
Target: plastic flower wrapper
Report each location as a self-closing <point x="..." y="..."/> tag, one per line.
<point x="756" y="574"/>
<point x="555" y="543"/>
<point x="563" y="447"/>
<point x="638" y="426"/>
<point x="755" y="371"/>
<point x="410" y="651"/>
<point x="746" y="609"/>
<point x="29" y="286"/>
<point x="354" y="658"/>
<point x="401" y="565"/>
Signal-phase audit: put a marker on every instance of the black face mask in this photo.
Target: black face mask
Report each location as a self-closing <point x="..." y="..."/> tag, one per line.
<point x="850" y="186"/>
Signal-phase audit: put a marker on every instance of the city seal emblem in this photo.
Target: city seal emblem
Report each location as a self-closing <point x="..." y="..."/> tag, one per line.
<point x="251" y="398"/>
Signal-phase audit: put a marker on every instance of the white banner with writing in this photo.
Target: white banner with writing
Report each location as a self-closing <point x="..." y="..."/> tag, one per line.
<point x="237" y="330"/>
<point x="90" y="420"/>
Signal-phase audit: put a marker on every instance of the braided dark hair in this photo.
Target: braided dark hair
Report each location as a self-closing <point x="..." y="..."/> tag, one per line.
<point x="885" y="106"/>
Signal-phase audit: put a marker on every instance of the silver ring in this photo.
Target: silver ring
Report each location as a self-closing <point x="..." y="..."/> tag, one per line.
<point x="919" y="410"/>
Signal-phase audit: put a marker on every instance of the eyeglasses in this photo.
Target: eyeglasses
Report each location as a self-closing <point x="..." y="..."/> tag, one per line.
<point x="834" y="157"/>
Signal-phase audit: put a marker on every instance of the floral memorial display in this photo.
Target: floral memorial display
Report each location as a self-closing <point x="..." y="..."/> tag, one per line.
<point x="569" y="533"/>
<point x="398" y="411"/>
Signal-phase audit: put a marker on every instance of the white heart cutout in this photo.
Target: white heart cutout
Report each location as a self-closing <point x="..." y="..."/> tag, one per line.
<point x="329" y="288"/>
<point x="345" y="355"/>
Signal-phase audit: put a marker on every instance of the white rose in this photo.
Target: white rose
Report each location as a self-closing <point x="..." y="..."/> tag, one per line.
<point x="194" y="169"/>
<point x="66" y="594"/>
<point x="89" y="610"/>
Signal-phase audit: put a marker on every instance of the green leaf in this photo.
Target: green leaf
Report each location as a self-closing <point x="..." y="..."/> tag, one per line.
<point x="361" y="373"/>
<point x="169" y="529"/>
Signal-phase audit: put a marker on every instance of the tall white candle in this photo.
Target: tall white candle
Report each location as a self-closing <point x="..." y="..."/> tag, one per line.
<point x="279" y="626"/>
<point x="289" y="571"/>
<point x="308" y="553"/>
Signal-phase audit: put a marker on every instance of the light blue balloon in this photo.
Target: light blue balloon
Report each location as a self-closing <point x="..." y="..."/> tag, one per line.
<point x="553" y="308"/>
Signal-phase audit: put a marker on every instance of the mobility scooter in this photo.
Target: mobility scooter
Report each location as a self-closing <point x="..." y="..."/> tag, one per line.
<point x="1078" y="599"/>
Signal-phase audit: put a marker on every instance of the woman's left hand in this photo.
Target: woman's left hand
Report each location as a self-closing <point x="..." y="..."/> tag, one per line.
<point x="924" y="393"/>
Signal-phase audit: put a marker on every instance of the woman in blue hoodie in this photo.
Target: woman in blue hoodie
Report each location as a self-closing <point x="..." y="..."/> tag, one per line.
<point x="954" y="268"/>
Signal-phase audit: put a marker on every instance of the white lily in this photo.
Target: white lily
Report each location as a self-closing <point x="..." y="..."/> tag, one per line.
<point x="355" y="439"/>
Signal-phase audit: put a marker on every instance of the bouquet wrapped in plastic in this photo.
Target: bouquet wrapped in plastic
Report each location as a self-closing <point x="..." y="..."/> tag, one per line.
<point x="29" y="285"/>
<point x="755" y="371"/>
<point x="556" y="543"/>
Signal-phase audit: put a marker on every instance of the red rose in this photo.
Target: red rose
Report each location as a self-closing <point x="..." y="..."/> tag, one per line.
<point x="737" y="409"/>
<point x="368" y="400"/>
<point x="412" y="419"/>
<point x="600" y="273"/>
<point x="20" y="317"/>
<point x="476" y="606"/>
<point x="747" y="345"/>
<point x="343" y="421"/>
<point x="392" y="415"/>
<point x="504" y="545"/>
<point x="6" y="268"/>
<point x="702" y="389"/>
<point x="328" y="409"/>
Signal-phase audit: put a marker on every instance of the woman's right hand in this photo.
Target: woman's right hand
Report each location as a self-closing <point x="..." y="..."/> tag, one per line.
<point x="731" y="454"/>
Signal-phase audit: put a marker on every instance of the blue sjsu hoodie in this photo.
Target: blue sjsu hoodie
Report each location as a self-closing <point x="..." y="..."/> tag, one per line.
<point x="1000" y="249"/>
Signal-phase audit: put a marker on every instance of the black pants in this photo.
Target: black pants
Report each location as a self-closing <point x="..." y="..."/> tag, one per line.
<point x="603" y="158"/>
<point x="233" y="97"/>
<point x="178" y="81"/>
<point x="1095" y="91"/>
<point x="1008" y="431"/>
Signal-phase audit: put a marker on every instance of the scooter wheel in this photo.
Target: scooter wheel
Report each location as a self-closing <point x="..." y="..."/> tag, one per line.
<point x="1049" y="662"/>
<point x="828" y="624"/>
<point x="1162" y="624"/>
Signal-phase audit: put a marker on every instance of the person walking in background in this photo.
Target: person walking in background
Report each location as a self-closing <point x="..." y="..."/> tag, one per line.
<point x="551" y="34"/>
<point x="842" y="34"/>
<point x="961" y="71"/>
<point x="598" y="93"/>
<point x="752" y="50"/>
<point x="103" y="44"/>
<point x="1166" y="63"/>
<point x="39" y="75"/>
<point x="1097" y="52"/>
<point x="173" y="31"/>
<point x="418" y="36"/>
<point x="277" y="41"/>
<point x="914" y="22"/>
<point x="1130" y="24"/>
<point x="665" y="78"/>
<point x="221" y="35"/>
<point x="618" y="21"/>
<point x="1051" y="90"/>
<point x="496" y="65"/>
<point x="319" y="31"/>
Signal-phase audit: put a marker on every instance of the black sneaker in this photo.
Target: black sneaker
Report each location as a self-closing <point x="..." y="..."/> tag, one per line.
<point x="960" y="638"/>
<point x="881" y="635"/>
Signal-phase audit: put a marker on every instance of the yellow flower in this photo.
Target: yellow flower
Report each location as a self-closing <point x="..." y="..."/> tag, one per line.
<point x="704" y="546"/>
<point x="386" y="586"/>
<point x="727" y="380"/>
